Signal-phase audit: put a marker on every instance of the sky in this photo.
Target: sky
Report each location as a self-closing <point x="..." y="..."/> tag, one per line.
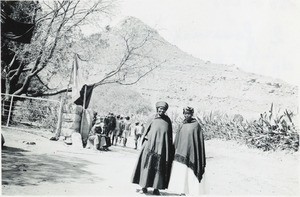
<point x="258" y="36"/>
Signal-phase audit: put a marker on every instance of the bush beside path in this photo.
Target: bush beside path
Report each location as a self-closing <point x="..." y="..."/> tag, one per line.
<point x="52" y="168"/>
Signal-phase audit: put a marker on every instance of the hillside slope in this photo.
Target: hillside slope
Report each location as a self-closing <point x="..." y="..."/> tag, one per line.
<point x="185" y="80"/>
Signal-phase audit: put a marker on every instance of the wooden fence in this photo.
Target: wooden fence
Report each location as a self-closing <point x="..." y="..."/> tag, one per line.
<point x="30" y="112"/>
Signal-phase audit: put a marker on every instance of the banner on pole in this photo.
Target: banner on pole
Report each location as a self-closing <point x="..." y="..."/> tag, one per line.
<point x="77" y="80"/>
<point x="87" y="97"/>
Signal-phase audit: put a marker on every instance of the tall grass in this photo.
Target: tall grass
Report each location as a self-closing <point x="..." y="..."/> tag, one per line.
<point x="269" y="132"/>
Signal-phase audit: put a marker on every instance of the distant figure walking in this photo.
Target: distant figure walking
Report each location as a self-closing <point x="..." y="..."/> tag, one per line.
<point x="126" y="132"/>
<point x="116" y="131"/>
<point x="138" y="132"/>
<point x="189" y="160"/>
<point x="108" y="128"/>
<point x="120" y="134"/>
<point x="154" y="163"/>
<point x="109" y="124"/>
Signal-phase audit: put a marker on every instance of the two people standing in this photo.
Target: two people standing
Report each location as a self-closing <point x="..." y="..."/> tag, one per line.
<point x="154" y="164"/>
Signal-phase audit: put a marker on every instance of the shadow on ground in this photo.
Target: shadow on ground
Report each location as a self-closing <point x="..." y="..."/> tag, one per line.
<point x="162" y="193"/>
<point x="21" y="167"/>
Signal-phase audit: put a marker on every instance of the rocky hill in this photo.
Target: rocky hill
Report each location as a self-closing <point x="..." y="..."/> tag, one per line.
<point x="185" y="80"/>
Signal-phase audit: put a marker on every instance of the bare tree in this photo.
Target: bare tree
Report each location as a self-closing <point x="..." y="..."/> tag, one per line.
<point x="136" y="61"/>
<point x="33" y="66"/>
<point x="56" y="24"/>
<point x="133" y="61"/>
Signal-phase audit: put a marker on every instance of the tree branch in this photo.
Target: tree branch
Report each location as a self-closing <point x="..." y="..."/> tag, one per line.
<point x="139" y="78"/>
<point x="53" y="93"/>
<point x="11" y="62"/>
<point x="17" y="72"/>
<point x="40" y="80"/>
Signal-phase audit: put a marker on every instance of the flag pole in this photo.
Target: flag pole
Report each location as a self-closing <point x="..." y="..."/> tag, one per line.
<point x="83" y="110"/>
<point x="84" y="98"/>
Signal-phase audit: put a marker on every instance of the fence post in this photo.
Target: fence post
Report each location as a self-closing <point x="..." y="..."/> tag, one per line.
<point x="9" y="112"/>
<point x="59" y="122"/>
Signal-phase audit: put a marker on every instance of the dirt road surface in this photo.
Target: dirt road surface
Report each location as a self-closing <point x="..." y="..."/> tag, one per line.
<point x="53" y="168"/>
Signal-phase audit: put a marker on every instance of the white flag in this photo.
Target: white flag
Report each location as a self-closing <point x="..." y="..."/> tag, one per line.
<point x="77" y="80"/>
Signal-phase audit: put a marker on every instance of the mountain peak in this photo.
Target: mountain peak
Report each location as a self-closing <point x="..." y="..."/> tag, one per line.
<point x="131" y="22"/>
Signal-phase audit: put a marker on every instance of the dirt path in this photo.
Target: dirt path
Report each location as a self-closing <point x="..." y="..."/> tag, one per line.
<point x="53" y="168"/>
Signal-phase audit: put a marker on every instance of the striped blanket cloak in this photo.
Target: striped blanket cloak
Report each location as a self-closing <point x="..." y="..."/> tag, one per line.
<point x="154" y="163"/>
<point x="189" y="147"/>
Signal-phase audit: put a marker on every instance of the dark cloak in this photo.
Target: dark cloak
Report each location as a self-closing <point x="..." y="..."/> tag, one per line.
<point x="189" y="147"/>
<point x="155" y="160"/>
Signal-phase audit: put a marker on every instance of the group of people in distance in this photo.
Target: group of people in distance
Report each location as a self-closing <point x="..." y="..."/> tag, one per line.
<point x="112" y="130"/>
<point x="155" y="167"/>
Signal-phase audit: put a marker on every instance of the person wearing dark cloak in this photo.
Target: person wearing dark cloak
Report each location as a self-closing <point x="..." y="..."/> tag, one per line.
<point x="189" y="160"/>
<point x="155" y="159"/>
<point x="94" y="138"/>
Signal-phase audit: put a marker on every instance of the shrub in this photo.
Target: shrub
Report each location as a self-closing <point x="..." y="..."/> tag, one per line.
<point x="35" y="114"/>
<point x="269" y="132"/>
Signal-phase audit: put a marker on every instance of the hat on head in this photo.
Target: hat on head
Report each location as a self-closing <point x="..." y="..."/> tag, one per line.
<point x="162" y="104"/>
<point x="188" y="110"/>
